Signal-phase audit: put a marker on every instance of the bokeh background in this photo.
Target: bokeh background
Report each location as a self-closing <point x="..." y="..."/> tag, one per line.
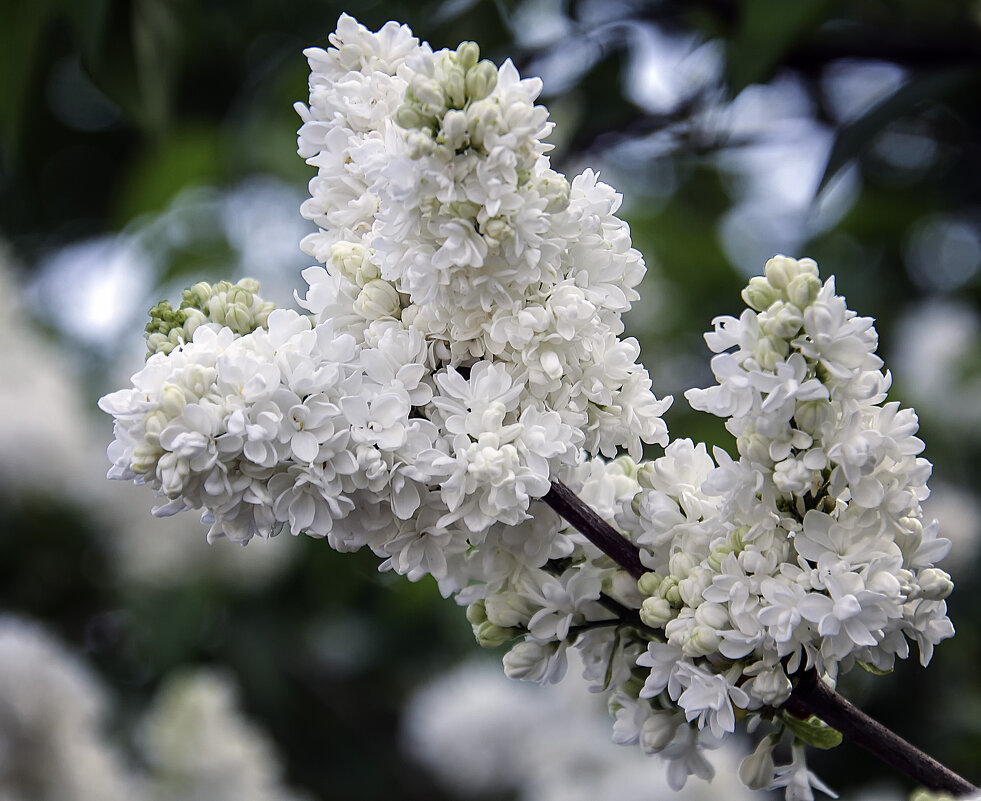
<point x="149" y="144"/>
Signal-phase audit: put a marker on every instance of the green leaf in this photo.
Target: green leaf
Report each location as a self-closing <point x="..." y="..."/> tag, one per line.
<point x="768" y="30"/>
<point x="855" y="137"/>
<point x="813" y="731"/>
<point x="869" y="668"/>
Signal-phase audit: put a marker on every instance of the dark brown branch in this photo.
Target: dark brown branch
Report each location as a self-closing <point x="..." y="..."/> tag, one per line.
<point x="810" y="697"/>
<point x="594" y="528"/>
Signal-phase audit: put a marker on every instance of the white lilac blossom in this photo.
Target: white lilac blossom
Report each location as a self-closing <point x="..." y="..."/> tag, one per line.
<point x="810" y="550"/>
<point x="463" y="351"/>
<point x="464" y="346"/>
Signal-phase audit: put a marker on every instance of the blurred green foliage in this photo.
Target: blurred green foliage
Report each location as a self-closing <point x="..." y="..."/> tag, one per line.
<point x="109" y="109"/>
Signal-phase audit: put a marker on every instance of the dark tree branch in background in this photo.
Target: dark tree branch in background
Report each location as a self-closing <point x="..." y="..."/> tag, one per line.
<point x="811" y="696"/>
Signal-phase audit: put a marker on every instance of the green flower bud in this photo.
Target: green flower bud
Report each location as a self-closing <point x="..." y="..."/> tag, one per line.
<point x="467" y="55"/>
<point x="490" y="636"/>
<point x="145" y="457"/>
<point x="455" y="87"/>
<point x="408" y="116"/>
<point x="454" y="130"/>
<point x="238" y="317"/>
<point x="803" y="290"/>
<point x="172" y="400"/>
<point x="759" y="295"/>
<point x="669" y="591"/>
<point x="648" y="583"/>
<point x="476" y="613"/>
<point x="655" y="612"/>
<point x="702" y="641"/>
<point x="555" y="188"/>
<point x="780" y="271"/>
<point x="782" y="320"/>
<point x="481" y="80"/>
<point x="769" y="351"/>
<point x="718" y="555"/>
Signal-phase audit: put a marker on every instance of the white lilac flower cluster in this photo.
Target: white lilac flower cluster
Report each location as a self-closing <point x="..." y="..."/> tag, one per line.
<point x="463" y="348"/>
<point x="810" y="551"/>
<point x="463" y="352"/>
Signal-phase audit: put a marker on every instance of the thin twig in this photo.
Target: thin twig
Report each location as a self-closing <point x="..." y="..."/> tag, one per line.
<point x="810" y="697"/>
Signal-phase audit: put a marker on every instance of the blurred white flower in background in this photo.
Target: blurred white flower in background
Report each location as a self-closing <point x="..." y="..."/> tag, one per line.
<point x="52" y="718"/>
<point x="44" y="433"/>
<point x="482" y="733"/>
<point x="201" y="748"/>
<point x="55" y="744"/>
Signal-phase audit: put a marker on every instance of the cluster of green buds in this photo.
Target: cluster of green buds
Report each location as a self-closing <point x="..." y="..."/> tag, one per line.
<point x="236" y="306"/>
<point x="781" y="295"/>
<point x="447" y="104"/>
<point x="488" y="633"/>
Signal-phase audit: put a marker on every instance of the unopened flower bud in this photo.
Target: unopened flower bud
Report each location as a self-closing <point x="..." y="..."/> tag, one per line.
<point x="172" y="400"/>
<point x="496" y="230"/>
<point x="490" y="636"/>
<point x="555" y="188"/>
<point x="483" y="117"/>
<point x="347" y="257"/>
<point x="467" y="55"/>
<point x="772" y="686"/>
<point x="781" y="270"/>
<point x="702" y="641"/>
<point x="455" y="86"/>
<point x="658" y="730"/>
<point x="935" y="584"/>
<point x="145" y="456"/>
<point x="409" y="116"/>
<point x="803" y="290"/>
<point x="769" y="351"/>
<point x="759" y="294"/>
<point x="238" y="317"/>
<point x="669" y="591"/>
<point x="648" y="583"/>
<point x="481" y="80"/>
<point x="378" y="299"/>
<point x="476" y="613"/>
<point x="690" y="589"/>
<point x="454" y="131"/>
<point x="655" y="612"/>
<point x="712" y="615"/>
<point x="680" y="565"/>
<point x="782" y="320"/>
